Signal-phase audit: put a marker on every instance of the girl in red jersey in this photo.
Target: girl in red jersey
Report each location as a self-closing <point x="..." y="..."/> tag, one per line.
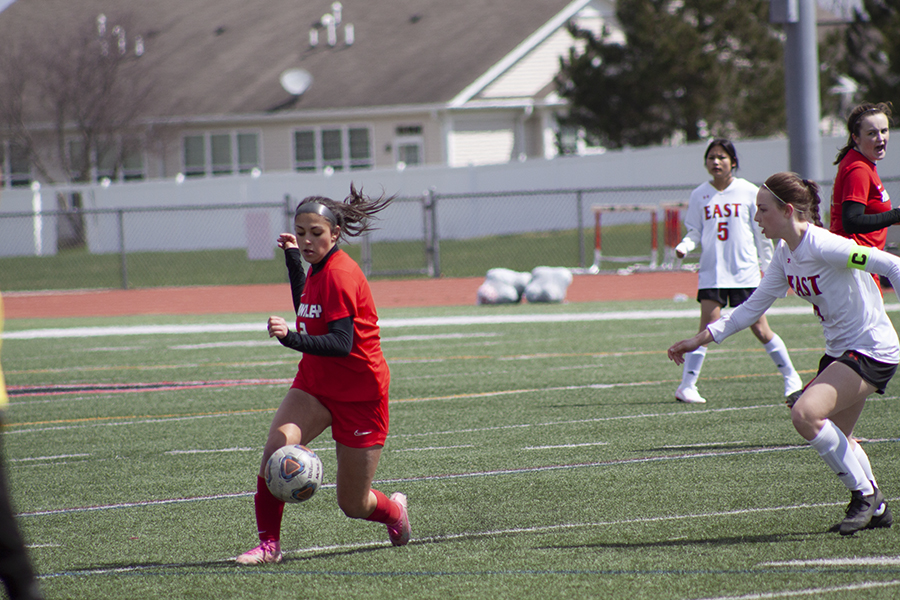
<point x="860" y="206"/>
<point x="342" y="380"/>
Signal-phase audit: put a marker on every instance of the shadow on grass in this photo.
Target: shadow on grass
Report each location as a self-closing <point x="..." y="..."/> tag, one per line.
<point x="686" y="543"/>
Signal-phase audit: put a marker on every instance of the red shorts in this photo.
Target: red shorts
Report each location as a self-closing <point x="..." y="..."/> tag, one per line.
<point x="357" y="424"/>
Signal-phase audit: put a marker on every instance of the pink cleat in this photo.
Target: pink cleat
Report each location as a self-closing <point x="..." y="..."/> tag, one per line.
<point x="399" y="533"/>
<point x="267" y="552"/>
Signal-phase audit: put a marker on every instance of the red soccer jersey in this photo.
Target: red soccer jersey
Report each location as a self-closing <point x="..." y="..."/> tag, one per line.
<point x="338" y="291"/>
<point x="858" y="181"/>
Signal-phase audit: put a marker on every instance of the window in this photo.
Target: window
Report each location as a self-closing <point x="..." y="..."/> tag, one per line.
<point x="360" y="153"/>
<point x="15" y="168"/>
<point x="19" y="166"/>
<point x="332" y="150"/>
<point x="228" y="153"/>
<point x="194" y="156"/>
<point x="338" y="148"/>
<point x="119" y="159"/>
<point x="409" y="153"/>
<point x="132" y="162"/>
<point x="409" y="145"/>
<point x="305" y="150"/>
<point x="220" y="146"/>
<point x="106" y="162"/>
<point x="247" y="152"/>
<point x="79" y="166"/>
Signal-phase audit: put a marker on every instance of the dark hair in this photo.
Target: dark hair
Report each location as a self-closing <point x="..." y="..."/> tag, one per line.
<point x="854" y="122"/>
<point x="727" y="146"/>
<point x="353" y="215"/>
<point x="802" y="194"/>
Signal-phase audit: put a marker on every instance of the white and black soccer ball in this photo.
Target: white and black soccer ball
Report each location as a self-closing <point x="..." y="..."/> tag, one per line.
<point x="294" y="473"/>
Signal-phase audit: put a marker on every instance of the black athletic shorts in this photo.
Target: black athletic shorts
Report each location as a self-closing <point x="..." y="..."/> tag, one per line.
<point x="872" y="371"/>
<point x="724" y="296"/>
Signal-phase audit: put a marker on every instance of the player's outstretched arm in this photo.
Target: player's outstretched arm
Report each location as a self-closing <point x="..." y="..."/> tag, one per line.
<point x="676" y="352"/>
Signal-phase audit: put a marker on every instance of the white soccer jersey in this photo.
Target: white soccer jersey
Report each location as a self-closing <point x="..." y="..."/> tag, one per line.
<point x="833" y="274"/>
<point x="734" y="250"/>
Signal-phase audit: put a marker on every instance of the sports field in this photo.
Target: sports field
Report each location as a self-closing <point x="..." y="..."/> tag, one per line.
<point x="540" y="446"/>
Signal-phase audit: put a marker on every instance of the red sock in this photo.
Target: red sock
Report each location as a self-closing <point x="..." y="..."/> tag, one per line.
<point x="386" y="512"/>
<point x="269" y="510"/>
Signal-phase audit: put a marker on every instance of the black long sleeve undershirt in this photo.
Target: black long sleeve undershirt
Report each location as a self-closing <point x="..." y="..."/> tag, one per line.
<point x="339" y="339"/>
<point x="854" y="219"/>
<point x="337" y="342"/>
<point x="295" y="274"/>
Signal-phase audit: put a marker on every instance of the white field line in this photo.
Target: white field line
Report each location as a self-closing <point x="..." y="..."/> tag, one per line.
<point x="427" y="448"/>
<point x="428" y="478"/>
<point x="516" y="531"/>
<point x="72" y="332"/>
<point x="565" y="446"/>
<point x="703" y="445"/>
<point x="889" y="561"/>
<point x="814" y="592"/>
<point x="35" y="458"/>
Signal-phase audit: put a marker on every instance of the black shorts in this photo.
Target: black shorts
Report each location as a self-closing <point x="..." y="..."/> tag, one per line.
<point x="872" y="371"/>
<point x="724" y="296"/>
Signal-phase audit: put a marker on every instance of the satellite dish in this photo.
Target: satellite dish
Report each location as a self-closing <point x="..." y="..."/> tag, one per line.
<point x="296" y="81"/>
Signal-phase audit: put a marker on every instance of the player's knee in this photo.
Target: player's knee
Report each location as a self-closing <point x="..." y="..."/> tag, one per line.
<point x="804" y="420"/>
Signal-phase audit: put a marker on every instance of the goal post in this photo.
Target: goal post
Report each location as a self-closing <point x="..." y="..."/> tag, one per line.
<point x="629" y="235"/>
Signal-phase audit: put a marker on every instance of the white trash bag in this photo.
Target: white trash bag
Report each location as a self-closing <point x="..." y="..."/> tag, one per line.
<point x="548" y="284"/>
<point x="502" y="286"/>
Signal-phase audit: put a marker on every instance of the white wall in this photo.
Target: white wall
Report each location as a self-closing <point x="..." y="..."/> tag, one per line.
<point x="647" y="167"/>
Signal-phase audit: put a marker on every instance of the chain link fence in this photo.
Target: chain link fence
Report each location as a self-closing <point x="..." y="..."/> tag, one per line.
<point x="434" y="235"/>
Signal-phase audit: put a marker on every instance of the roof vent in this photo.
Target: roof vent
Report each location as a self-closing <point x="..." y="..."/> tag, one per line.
<point x="330" y="23"/>
<point x="330" y="28"/>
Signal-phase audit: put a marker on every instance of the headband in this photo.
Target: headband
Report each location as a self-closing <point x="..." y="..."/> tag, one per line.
<point x="774" y="194"/>
<point x="318" y="209"/>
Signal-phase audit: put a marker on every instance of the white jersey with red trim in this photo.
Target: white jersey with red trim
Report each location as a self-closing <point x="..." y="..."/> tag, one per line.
<point x="831" y="273"/>
<point x="734" y="250"/>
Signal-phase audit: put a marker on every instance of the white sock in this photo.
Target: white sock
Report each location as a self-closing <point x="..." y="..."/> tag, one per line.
<point x="693" y="362"/>
<point x="834" y="448"/>
<point x="777" y="351"/>
<point x="863" y="459"/>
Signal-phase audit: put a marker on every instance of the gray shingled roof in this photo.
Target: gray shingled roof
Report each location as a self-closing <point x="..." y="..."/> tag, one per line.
<point x="221" y="57"/>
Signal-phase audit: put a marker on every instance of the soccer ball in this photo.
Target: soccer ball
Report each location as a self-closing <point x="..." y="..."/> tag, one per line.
<point x="294" y="473"/>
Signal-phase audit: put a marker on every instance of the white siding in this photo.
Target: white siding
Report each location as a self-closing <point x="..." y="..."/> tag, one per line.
<point x="531" y="74"/>
<point x="537" y="69"/>
<point x="481" y="147"/>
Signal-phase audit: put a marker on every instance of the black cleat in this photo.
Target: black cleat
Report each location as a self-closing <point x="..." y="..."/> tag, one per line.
<point x="791" y="399"/>
<point x="885" y="520"/>
<point x="860" y="512"/>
